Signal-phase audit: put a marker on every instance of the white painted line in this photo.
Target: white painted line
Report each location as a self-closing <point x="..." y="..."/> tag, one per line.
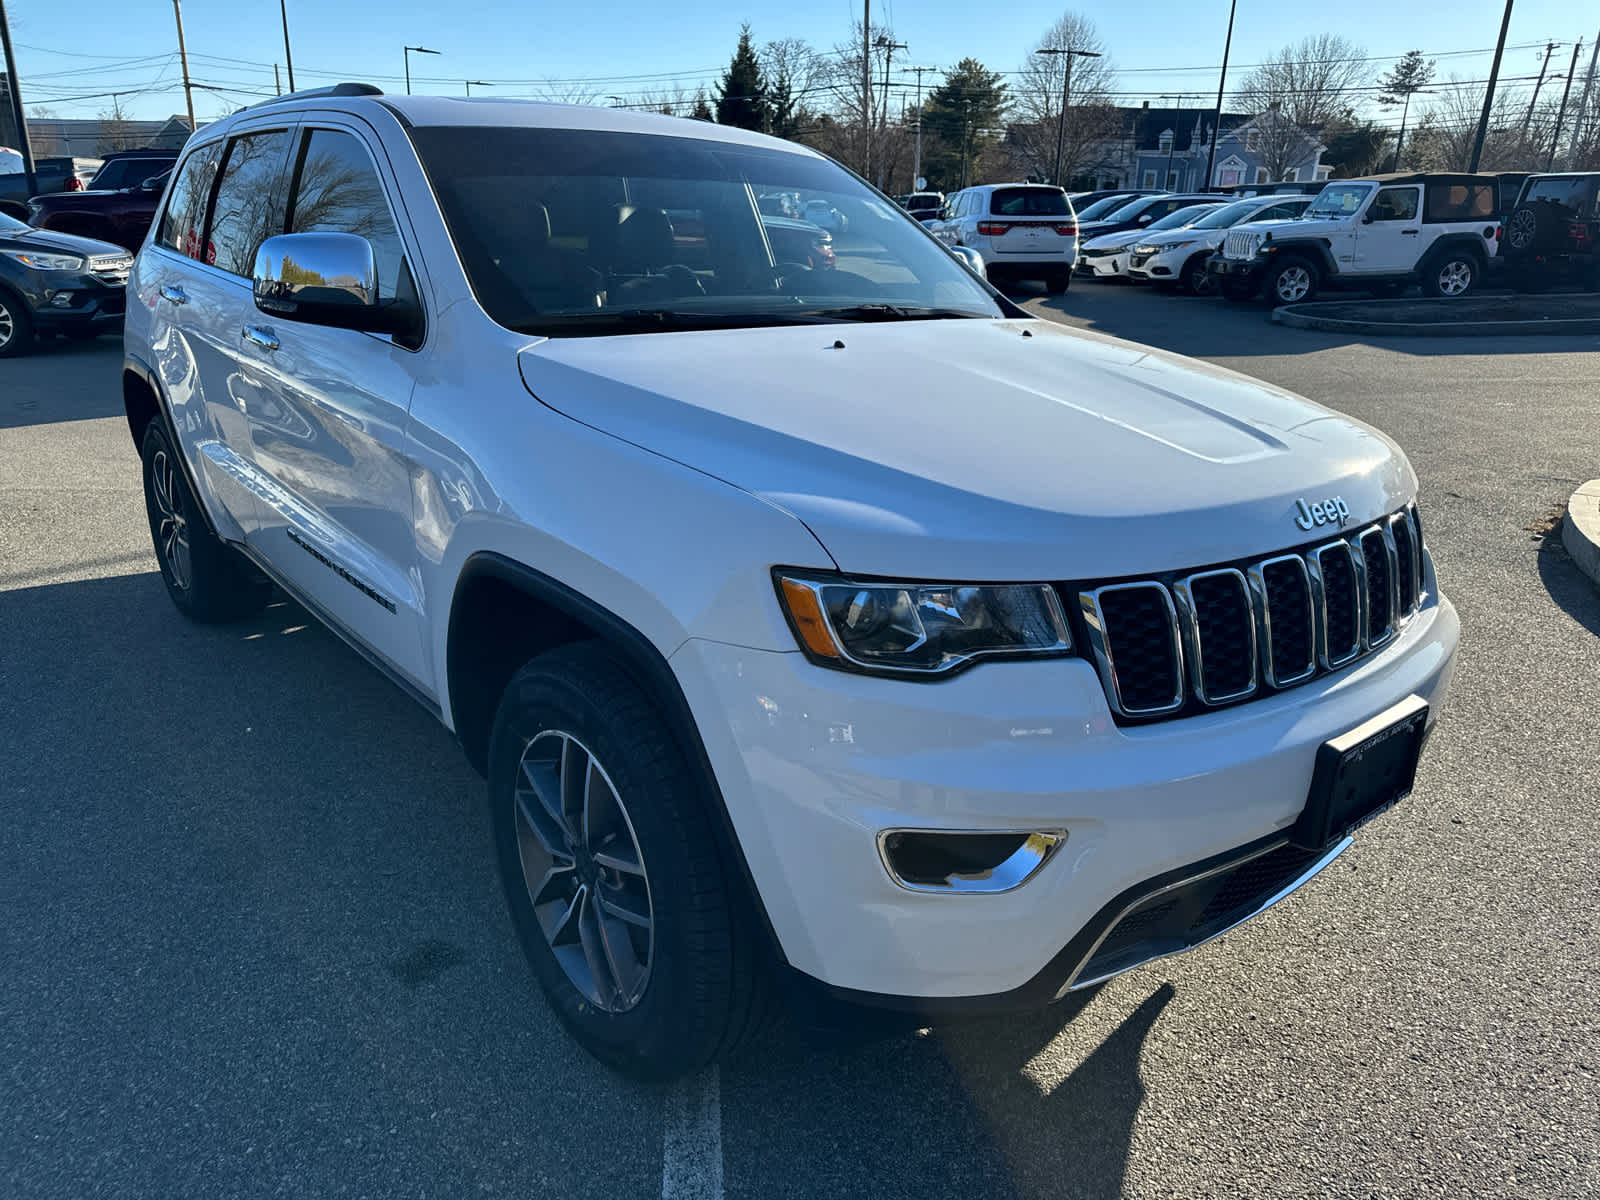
<point x="691" y="1142"/>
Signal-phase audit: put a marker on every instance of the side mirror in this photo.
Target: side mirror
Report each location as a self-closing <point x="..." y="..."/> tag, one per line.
<point x="1367" y="218"/>
<point x="1145" y="218"/>
<point x="969" y="258"/>
<point x="325" y="279"/>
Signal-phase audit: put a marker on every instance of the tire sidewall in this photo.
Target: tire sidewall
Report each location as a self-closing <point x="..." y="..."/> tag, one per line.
<point x="1196" y="279"/>
<point x="156" y="442"/>
<point x="21" y="340"/>
<point x="657" y="1033"/>
<point x="1281" y="269"/>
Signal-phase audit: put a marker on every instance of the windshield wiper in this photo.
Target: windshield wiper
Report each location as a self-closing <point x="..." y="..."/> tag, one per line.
<point x="890" y="312"/>
<point x="647" y="320"/>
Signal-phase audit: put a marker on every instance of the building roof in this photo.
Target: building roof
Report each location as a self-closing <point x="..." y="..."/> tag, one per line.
<point x="91" y="137"/>
<point x="1146" y="125"/>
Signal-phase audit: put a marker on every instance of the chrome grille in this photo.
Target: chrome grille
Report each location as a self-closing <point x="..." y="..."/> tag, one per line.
<point x="112" y="268"/>
<point x="1239" y="244"/>
<point x="1222" y="635"/>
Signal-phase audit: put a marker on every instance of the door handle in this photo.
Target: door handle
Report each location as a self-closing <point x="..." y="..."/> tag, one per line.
<point x="257" y="336"/>
<point x="174" y="294"/>
<point x="1409" y="232"/>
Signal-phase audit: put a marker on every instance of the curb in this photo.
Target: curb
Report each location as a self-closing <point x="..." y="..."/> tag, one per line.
<point x="1296" y="316"/>
<point x="1580" y="529"/>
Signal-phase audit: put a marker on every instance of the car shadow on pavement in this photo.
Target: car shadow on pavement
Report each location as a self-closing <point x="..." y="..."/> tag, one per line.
<point x="32" y="391"/>
<point x="1005" y="1106"/>
<point x="1577" y="595"/>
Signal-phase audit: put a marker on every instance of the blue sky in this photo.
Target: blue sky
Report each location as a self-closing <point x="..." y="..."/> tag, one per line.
<point x="68" y="51"/>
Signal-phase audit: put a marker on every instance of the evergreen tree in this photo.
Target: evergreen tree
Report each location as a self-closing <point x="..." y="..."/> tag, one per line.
<point x="702" y="109"/>
<point x="959" y="125"/>
<point x="1409" y="76"/>
<point x="742" y="95"/>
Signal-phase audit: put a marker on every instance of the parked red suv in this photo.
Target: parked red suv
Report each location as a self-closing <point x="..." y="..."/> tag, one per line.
<point x="120" y="213"/>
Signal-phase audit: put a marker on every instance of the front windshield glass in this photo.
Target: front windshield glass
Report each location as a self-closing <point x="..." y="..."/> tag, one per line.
<point x="11" y="225"/>
<point x="1106" y="204"/>
<point x="1339" y="200"/>
<point x="1228" y="214"/>
<point x="1181" y="218"/>
<point x="577" y="231"/>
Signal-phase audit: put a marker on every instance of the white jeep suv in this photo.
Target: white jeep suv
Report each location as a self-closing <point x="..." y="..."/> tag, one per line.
<point x="1380" y="234"/>
<point x="1179" y="256"/>
<point x="835" y="633"/>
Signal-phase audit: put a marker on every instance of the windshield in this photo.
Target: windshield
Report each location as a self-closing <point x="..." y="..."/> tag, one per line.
<point x="582" y="231"/>
<point x="1338" y="200"/>
<point x="1102" y="206"/>
<point x="1182" y="218"/>
<point x="1228" y="214"/>
<point x="11" y="225"/>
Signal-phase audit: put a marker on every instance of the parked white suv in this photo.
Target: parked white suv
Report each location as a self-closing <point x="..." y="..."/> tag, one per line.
<point x="1379" y="234"/>
<point x="841" y="632"/>
<point x="1179" y="256"/>
<point x="1023" y="231"/>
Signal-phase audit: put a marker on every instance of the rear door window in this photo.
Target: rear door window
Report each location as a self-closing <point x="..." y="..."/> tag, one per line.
<point x="185" y="217"/>
<point x="1028" y="202"/>
<point x="250" y="204"/>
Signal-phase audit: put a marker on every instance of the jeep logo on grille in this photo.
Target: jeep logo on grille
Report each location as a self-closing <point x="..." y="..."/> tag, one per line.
<point x="1324" y="512"/>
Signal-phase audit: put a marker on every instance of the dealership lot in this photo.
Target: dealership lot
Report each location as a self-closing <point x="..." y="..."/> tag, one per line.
<point x="254" y="943"/>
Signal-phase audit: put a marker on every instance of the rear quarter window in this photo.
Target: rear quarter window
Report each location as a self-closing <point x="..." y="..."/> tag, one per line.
<point x="185" y="215"/>
<point x="1459" y="202"/>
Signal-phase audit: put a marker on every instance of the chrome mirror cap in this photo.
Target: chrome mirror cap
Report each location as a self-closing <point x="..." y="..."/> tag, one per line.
<point x="315" y="276"/>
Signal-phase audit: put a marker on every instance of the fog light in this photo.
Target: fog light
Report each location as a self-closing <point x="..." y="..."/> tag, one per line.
<point x="925" y="860"/>
<point x="62" y="300"/>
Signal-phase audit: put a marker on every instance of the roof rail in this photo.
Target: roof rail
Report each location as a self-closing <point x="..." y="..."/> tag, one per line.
<point x="338" y="89"/>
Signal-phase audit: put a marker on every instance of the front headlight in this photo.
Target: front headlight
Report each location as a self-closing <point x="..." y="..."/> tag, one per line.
<point x="45" y="262"/>
<point x="920" y="628"/>
<point x="1175" y="245"/>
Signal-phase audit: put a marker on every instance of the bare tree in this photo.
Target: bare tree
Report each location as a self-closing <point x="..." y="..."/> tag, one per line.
<point x="115" y="134"/>
<point x="566" y="91"/>
<point x="850" y="98"/>
<point x="1091" y="118"/>
<point x="791" y="68"/>
<point x="1314" y="82"/>
<point x="1444" y="137"/>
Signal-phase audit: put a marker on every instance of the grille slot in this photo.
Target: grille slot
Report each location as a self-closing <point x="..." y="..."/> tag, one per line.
<point x="1222" y="635"/>
<point x="1172" y="646"/>
<point x="1341" y="603"/>
<point x="1134" y="627"/>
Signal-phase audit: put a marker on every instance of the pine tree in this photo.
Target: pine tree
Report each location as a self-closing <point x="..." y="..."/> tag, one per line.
<point x="1409" y="76"/>
<point x="742" y="95"/>
<point x="702" y="109"/>
<point x="958" y="124"/>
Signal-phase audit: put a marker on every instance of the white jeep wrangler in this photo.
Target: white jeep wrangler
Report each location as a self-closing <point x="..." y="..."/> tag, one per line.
<point x="1379" y="234"/>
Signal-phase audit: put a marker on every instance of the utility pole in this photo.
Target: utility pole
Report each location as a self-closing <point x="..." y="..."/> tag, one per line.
<point x="916" y="162"/>
<point x="288" y="58"/>
<point x="888" y="47"/>
<point x="966" y="121"/>
<point x="29" y="178"/>
<point x="276" y="82"/>
<point x="1177" y="128"/>
<point x="866" y="87"/>
<point x="1405" y="111"/>
<point x="1216" y="119"/>
<point x="183" y="59"/>
<point x="1488" y="92"/>
<point x="1066" y="92"/>
<point x="1555" y="138"/>
<point x="1583" y="104"/>
<point x="1550" y="48"/>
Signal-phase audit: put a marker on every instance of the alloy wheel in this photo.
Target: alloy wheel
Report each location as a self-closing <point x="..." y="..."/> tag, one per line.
<point x="172" y="529"/>
<point x="8" y="326"/>
<point x="1455" y="277"/>
<point x="1293" y="283"/>
<point x="1520" y="229"/>
<point x="584" y="872"/>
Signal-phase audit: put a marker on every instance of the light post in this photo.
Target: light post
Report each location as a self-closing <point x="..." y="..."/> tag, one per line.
<point x="916" y="162"/>
<point x="471" y="83"/>
<point x="966" y="122"/>
<point x="1216" y="117"/>
<point x="283" y="9"/>
<point x="620" y="102"/>
<point x="1066" y="91"/>
<point x="410" y="50"/>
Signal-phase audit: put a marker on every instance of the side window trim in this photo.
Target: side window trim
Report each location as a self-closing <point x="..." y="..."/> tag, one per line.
<point x="234" y="137"/>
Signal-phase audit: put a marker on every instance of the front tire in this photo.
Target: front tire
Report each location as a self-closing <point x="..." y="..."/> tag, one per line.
<point x="1195" y="279"/>
<point x="208" y="580"/>
<point x="1057" y="282"/>
<point x="612" y="873"/>
<point x="1293" y="281"/>
<point x="16" y="327"/>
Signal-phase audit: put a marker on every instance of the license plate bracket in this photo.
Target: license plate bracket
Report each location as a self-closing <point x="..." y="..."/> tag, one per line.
<point x="1362" y="773"/>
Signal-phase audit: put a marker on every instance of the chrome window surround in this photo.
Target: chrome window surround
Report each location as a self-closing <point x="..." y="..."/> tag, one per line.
<point x="1022" y="864"/>
<point x="1184" y="590"/>
<point x="1258" y="596"/>
<point x="1094" y="618"/>
<point x="1184" y="626"/>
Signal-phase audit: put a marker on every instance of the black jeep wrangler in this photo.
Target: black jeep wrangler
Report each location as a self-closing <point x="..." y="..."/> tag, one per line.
<point x="1550" y="236"/>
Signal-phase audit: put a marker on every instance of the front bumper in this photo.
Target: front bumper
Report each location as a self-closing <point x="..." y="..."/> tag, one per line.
<point x="58" y="300"/>
<point x="813" y="764"/>
<point x="1239" y="270"/>
<point x="1155" y="268"/>
<point x="1103" y="266"/>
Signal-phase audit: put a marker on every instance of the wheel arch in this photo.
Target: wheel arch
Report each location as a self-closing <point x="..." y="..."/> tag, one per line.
<point x="1469" y="243"/>
<point x="1315" y="250"/>
<point x="503" y="613"/>
<point x="144" y="401"/>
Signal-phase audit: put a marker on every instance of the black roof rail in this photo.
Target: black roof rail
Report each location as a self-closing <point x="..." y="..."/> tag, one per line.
<point x="338" y="89"/>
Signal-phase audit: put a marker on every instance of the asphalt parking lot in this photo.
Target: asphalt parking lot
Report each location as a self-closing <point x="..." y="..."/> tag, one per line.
<point x="253" y="944"/>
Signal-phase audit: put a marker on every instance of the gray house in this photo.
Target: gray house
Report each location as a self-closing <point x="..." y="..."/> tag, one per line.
<point x="1168" y="147"/>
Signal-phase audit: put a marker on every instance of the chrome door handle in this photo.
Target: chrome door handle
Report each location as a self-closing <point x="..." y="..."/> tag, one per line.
<point x="175" y="294"/>
<point x="257" y="336"/>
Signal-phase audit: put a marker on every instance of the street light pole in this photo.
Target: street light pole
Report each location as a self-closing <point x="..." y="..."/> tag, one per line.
<point x="410" y="50"/>
<point x="916" y="161"/>
<point x="283" y="8"/>
<point x="484" y="83"/>
<point x="1216" y="118"/>
<point x="29" y="179"/>
<point x="1488" y="92"/>
<point x="1066" y="92"/>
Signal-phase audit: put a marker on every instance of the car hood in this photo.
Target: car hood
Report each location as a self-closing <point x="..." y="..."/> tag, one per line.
<point x="1172" y="237"/>
<point x="67" y="243"/>
<point x="1096" y="229"/>
<point x="1114" y="241"/>
<point x="1299" y="225"/>
<point x="981" y="449"/>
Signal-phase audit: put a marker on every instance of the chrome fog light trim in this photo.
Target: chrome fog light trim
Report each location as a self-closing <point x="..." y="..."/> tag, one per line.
<point x="966" y="861"/>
